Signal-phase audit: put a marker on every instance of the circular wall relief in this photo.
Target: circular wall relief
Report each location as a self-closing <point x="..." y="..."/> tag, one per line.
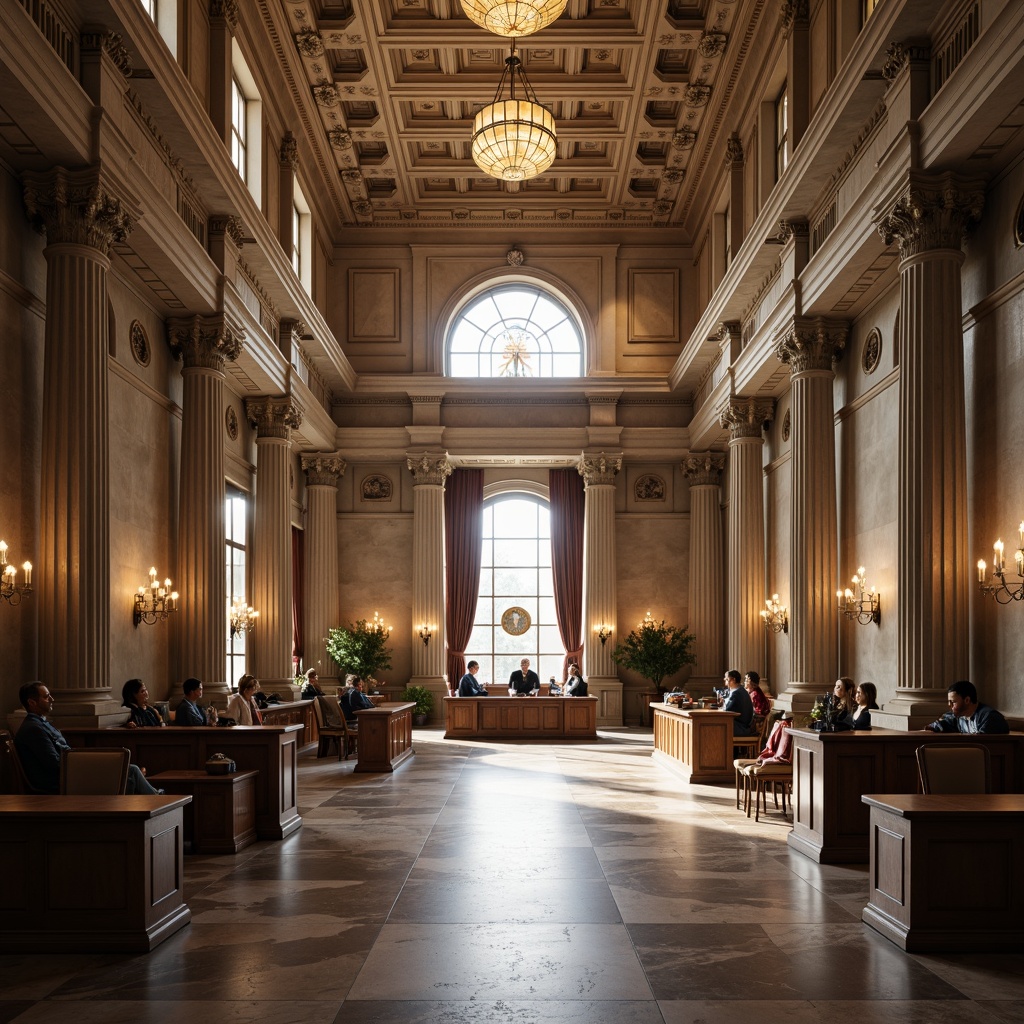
<point x="649" y="488"/>
<point x="785" y="427"/>
<point x="231" y="423"/>
<point x="139" y="343"/>
<point x="872" y="353"/>
<point x="515" y="621"/>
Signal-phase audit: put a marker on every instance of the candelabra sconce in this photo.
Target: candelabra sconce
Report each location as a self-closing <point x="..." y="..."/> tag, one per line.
<point x="863" y="605"/>
<point x="9" y="589"/>
<point x="426" y="632"/>
<point x="774" y="615"/>
<point x="155" y="602"/>
<point x="998" y="588"/>
<point x="378" y="625"/>
<point x="647" y="620"/>
<point x="603" y="632"/>
<point x="242" y="617"/>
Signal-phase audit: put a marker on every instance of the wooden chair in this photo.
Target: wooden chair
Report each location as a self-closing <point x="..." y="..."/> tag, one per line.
<point x="954" y="768"/>
<point x="779" y="777"/>
<point x="98" y="771"/>
<point x="338" y="733"/>
<point x="751" y="746"/>
<point x="15" y="772"/>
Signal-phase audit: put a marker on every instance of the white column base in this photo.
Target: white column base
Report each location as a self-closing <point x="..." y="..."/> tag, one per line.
<point x="911" y="710"/>
<point x="608" y="691"/>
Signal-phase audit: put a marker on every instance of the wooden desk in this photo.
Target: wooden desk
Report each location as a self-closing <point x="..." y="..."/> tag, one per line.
<point x="385" y="737"/>
<point x="297" y="712"/>
<point x="520" y="718"/>
<point x="271" y="750"/>
<point x="88" y="874"/>
<point x="831" y="771"/>
<point x="694" y="743"/>
<point x="222" y="815"/>
<point x="945" y="871"/>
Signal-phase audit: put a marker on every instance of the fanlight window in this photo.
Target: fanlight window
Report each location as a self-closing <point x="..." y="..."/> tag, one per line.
<point x="515" y="330"/>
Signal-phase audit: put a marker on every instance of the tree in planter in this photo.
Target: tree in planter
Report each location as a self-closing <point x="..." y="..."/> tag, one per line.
<point x="362" y="648"/>
<point x="423" y="697"/>
<point x="655" y="650"/>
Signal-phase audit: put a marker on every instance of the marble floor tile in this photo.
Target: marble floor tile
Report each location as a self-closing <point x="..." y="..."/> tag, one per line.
<point x="221" y="1011"/>
<point x="981" y="975"/>
<point x="787" y="1011"/>
<point x="557" y="862"/>
<point x="500" y="1011"/>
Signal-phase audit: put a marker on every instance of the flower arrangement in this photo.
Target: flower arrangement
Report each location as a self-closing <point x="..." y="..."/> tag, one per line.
<point x="828" y="711"/>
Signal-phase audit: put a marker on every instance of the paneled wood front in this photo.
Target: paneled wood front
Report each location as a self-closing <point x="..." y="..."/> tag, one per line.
<point x="521" y="717"/>
<point x="385" y="736"/>
<point x="694" y="743"/>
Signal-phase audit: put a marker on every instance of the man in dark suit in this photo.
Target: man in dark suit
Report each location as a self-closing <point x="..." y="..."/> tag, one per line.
<point x="523" y="680"/>
<point x="353" y="700"/>
<point x="739" y="701"/>
<point x="468" y="686"/>
<point x="189" y="712"/>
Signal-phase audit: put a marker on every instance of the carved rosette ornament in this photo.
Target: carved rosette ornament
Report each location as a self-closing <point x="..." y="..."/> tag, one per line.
<point x="323" y="469"/>
<point x="711" y="44"/>
<point x="309" y="42"/>
<point x="78" y="207"/>
<point x="746" y="417"/>
<point x="226" y="10"/>
<point x="697" y="95"/>
<point x="289" y="151"/>
<point x="326" y="94"/>
<point x="684" y="138"/>
<point x="599" y="469"/>
<point x="811" y="344"/>
<point x="273" y="417"/>
<point x="340" y="138"/>
<point x="429" y="469"/>
<point x="206" y="341"/>
<point x="934" y="212"/>
<point x="793" y="11"/>
<point x="704" y="468"/>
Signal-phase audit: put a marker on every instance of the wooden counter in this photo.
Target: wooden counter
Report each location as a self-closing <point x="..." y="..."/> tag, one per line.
<point x="88" y="874"/>
<point x="694" y="743"/>
<point x="945" y="871"/>
<point x="296" y="712"/>
<point x="385" y="736"/>
<point x="222" y="815"/>
<point x="832" y="771"/>
<point x="521" y="718"/>
<point x="272" y="750"/>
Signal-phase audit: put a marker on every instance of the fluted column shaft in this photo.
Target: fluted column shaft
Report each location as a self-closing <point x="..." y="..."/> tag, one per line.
<point x="272" y="639"/>
<point x="320" y="572"/>
<point x="429" y="470"/>
<point x="707" y="573"/>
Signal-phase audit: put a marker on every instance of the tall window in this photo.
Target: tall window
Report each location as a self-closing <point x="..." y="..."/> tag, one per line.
<point x="515" y="574"/>
<point x="515" y="330"/>
<point x="296" y="248"/>
<point x="246" y="125"/>
<point x="149" y="6"/>
<point x="236" y="532"/>
<point x="867" y="9"/>
<point x="239" y="127"/>
<point x="781" y="132"/>
<point x="302" y="240"/>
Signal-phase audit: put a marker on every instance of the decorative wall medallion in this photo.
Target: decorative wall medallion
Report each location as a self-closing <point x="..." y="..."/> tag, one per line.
<point x="785" y="427"/>
<point x="376" y="488"/>
<point x="139" y="343"/>
<point x="231" y="423"/>
<point x="515" y="621"/>
<point x="649" y="488"/>
<point x="872" y="351"/>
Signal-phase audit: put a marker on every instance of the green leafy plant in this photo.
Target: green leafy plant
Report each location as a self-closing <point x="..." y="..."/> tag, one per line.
<point x="655" y="650"/>
<point x="361" y="649"/>
<point x="423" y="697"/>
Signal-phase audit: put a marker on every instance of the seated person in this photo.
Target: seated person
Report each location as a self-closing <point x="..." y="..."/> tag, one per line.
<point x="752" y="684"/>
<point x="39" y="745"/>
<point x="353" y="700"/>
<point x="242" y="706"/>
<point x="843" y="692"/>
<point x="575" y="685"/>
<point x="311" y="687"/>
<point x="778" y="748"/>
<point x="468" y="686"/>
<point x="524" y="680"/>
<point x="966" y="715"/>
<point x="188" y="711"/>
<point x="865" y="696"/>
<point x="554" y="690"/>
<point x="738" y="700"/>
<point x="135" y="697"/>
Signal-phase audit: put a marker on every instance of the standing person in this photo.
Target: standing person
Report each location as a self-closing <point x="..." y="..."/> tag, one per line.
<point x="738" y="700"/>
<point x="242" y="706"/>
<point x="524" y="680"/>
<point x="468" y="686"/>
<point x="188" y="711"/>
<point x="752" y="684"/>
<point x="135" y="697"/>
<point x="40" y="743"/>
<point x="354" y="700"/>
<point x="575" y="686"/>
<point x="865" y="697"/>
<point x="966" y="715"/>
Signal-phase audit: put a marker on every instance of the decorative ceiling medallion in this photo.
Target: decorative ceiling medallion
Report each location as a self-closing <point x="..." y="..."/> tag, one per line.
<point x="231" y="423"/>
<point x="514" y="257"/>
<point x="785" y="427"/>
<point x="649" y="488"/>
<point x="872" y="351"/>
<point x="515" y="621"/>
<point x="139" y="343"/>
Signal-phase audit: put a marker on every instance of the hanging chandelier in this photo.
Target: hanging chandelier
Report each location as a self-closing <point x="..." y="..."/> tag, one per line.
<point x="513" y="17"/>
<point x="514" y="139"/>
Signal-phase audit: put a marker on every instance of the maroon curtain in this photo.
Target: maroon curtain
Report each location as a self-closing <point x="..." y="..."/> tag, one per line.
<point x="463" y="539"/>
<point x="567" y="504"/>
<point x="298" y="598"/>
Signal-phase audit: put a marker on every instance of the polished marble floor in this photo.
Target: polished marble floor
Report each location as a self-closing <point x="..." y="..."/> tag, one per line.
<point x="518" y="884"/>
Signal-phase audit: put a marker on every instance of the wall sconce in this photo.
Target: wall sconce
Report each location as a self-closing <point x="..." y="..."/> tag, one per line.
<point x="775" y="616"/>
<point x="154" y="602"/>
<point x="865" y="605"/>
<point x="9" y="589"/>
<point x="242" y="617"/>
<point x="1002" y="591"/>
<point x="378" y="625"/>
<point x="426" y="632"/>
<point x="603" y="632"/>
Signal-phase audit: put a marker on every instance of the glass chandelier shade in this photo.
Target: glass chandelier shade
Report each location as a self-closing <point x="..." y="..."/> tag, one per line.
<point x="513" y="18"/>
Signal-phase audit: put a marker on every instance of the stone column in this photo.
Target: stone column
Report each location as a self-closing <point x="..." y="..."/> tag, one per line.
<point x="289" y="162"/>
<point x="734" y="170"/>
<point x="934" y="573"/>
<point x="273" y="419"/>
<point x="811" y="347"/>
<point x="429" y="471"/>
<point x="796" y="25"/>
<point x="707" y="571"/>
<point x="204" y="344"/>
<point x="81" y="215"/>
<point x="223" y="21"/>
<point x="745" y="419"/>
<point x="322" y="583"/>
<point x="600" y="604"/>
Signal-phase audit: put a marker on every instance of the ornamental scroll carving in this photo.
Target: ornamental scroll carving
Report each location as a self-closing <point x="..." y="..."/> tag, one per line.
<point x="599" y="469"/>
<point x="746" y="417"/>
<point x="204" y="341"/>
<point x="323" y="469"/>
<point x="934" y="212"/>
<point x="429" y="469"/>
<point x="811" y="344"/>
<point x="273" y="417"/>
<point x="704" y="468"/>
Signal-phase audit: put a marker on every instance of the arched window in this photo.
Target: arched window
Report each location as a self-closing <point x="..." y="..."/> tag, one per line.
<point x="515" y="329"/>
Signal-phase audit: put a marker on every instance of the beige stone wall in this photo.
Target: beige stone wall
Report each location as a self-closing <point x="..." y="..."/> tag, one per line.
<point x="778" y="499"/>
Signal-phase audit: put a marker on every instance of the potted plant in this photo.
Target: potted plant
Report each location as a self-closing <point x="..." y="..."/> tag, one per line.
<point x="424" y="703"/>
<point x="655" y="650"/>
<point x="361" y="648"/>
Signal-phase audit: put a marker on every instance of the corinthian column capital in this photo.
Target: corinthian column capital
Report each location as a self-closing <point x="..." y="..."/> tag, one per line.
<point x="323" y="468"/>
<point x="811" y="343"/>
<point x="704" y="468"/>
<point x="206" y="341"/>
<point x="429" y="468"/>
<point x="599" y="469"/>
<point x="273" y="417"/>
<point x="746" y="417"/>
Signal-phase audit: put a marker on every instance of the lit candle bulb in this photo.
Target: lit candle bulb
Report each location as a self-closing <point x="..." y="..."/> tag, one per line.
<point x="3" y="552"/>
<point x="1019" y="558"/>
<point x="28" y="573"/>
<point x="981" y="570"/>
<point x="997" y="556"/>
<point x="1020" y="535"/>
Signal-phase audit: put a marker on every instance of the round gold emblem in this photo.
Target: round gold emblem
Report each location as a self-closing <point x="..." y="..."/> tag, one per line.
<point x="515" y="621"/>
